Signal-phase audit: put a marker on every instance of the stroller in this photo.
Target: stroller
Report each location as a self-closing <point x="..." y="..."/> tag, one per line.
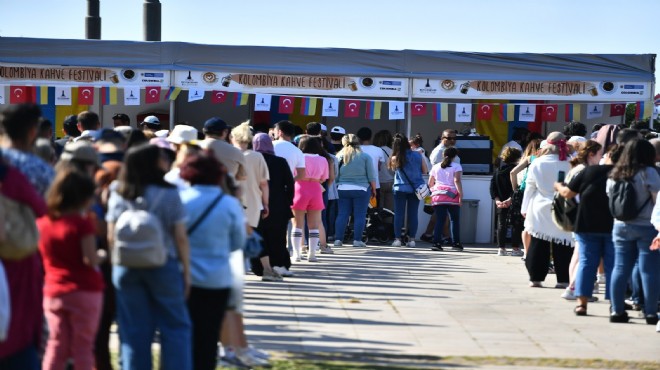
<point x="379" y="227"/>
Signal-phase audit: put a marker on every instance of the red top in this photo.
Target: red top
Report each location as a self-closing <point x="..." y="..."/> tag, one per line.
<point x="61" y="250"/>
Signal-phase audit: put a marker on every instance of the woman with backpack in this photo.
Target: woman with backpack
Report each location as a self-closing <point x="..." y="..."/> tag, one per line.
<point x="551" y="166"/>
<point x="154" y="297"/>
<point x="408" y="167"/>
<point x="633" y="233"/>
<point x="446" y="197"/>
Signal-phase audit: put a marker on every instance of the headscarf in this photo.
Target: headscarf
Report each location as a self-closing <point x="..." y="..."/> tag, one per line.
<point x="559" y="140"/>
<point x="262" y="143"/>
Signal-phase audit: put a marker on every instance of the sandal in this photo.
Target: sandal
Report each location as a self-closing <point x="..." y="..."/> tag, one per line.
<point x="580" y="310"/>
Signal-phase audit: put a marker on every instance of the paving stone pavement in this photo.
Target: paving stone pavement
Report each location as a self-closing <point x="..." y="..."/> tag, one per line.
<point x="417" y="302"/>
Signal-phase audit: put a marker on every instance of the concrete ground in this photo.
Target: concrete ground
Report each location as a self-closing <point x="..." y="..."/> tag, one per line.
<point x="414" y="303"/>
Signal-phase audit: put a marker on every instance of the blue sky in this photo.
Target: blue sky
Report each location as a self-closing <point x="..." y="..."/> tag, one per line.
<point x="551" y="26"/>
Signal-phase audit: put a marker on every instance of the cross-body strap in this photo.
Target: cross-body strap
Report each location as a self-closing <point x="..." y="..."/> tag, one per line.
<point x="205" y="213"/>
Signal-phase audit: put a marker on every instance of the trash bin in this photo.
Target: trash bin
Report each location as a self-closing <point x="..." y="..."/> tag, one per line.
<point x="469" y="211"/>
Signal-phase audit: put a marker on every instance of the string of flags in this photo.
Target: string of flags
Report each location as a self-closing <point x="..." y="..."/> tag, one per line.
<point x="330" y="107"/>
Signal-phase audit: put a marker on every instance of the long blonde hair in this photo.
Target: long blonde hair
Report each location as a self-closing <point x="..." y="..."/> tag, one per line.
<point x="351" y="148"/>
<point x="242" y="134"/>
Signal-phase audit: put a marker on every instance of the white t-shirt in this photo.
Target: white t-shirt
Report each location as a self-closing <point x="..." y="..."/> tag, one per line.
<point x="294" y="156"/>
<point x="377" y="156"/>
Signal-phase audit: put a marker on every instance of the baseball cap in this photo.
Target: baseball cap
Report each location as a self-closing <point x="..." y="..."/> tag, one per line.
<point x="338" y="130"/>
<point x="151" y="122"/>
<point x="215" y="125"/>
<point x="182" y="134"/>
<point x="82" y="151"/>
<point x="106" y="134"/>
<point x="324" y="128"/>
<point x="576" y="139"/>
<point x="70" y="121"/>
<point x="121" y="116"/>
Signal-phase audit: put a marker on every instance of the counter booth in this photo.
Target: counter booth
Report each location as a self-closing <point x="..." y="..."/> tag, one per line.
<point x="486" y="95"/>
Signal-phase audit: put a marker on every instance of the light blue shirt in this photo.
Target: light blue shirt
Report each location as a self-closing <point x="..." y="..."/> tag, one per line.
<point x="221" y="232"/>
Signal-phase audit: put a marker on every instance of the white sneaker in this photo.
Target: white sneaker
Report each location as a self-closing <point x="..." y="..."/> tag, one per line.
<point x="338" y="243"/>
<point x="501" y="252"/>
<point x="601" y="279"/>
<point x="396" y="243"/>
<point x="359" y="244"/>
<point x="283" y="271"/>
<point x="595" y="288"/>
<point x="517" y="253"/>
<point x="271" y="276"/>
<point x="249" y="359"/>
<point x="569" y="294"/>
<point x="258" y="353"/>
<point x="410" y="244"/>
<point x="327" y="250"/>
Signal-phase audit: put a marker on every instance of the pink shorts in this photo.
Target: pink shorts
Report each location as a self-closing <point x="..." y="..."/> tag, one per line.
<point x="308" y="196"/>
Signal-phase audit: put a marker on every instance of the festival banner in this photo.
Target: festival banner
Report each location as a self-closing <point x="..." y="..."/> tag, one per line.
<point x="152" y="94"/>
<point x="549" y="112"/>
<point x="330" y="107"/>
<point x="484" y="111"/>
<point x="218" y="97"/>
<point x="463" y="112"/>
<point x="596" y="91"/>
<point x="594" y="111"/>
<point x="397" y="110"/>
<point x="527" y="113"/>
<point x="418" y="109"/>
<point x="507" y="112"/>
<point x="572" y="112"/>
<point x="86" y="95"/>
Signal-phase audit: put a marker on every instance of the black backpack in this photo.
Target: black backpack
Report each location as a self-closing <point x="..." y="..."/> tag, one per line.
<point x="623" y="201"/>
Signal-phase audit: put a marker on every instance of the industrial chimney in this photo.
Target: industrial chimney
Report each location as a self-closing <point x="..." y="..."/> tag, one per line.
<point x="93" y="20"/>
<point x="152" y="20"/>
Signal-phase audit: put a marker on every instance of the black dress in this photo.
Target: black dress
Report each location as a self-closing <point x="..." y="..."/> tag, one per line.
<point x="273" y="227"/>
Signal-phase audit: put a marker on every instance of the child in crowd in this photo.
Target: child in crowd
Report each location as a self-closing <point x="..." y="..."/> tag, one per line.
<point x="73" y="289"/>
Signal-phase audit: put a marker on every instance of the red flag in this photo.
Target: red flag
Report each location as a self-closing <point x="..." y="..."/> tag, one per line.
<point x="549" y="112"/>
<point x="22" y="94"/>
<point x="218" y="97"/>
<point x="485" y="111"/>
<point x="351" y="108"/>
<point x="418" y="109"/>
<point x="617" y="109"/>
<point x="286" y="104"/>
<point x="151" y="94"/>
<point x="86" y="95"/>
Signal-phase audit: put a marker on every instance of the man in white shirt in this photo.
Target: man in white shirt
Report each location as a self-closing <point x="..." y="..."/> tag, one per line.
<point x="284" y="132"/>
<point x="448" y="140"/>
<point x="378" y="156"/>
<point x="519" y="135"/>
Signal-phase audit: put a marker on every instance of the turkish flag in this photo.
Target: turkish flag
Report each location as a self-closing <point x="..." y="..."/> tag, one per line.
<point x="617" y="109"/>
<point x="218" y="97"/>
<point x="22" y="94"/>
<point x="86" y="95"/>
<point x="418" y="109"/>
<point x="286" y="104"/>
<point x="351" y="108"/>
<point x="151" y="94"/>
<point x="549" y="112"/>
<point x="485" y="111"/>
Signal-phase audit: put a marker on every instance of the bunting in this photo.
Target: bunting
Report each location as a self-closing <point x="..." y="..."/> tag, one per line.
<point x="484" y="111"/>
<point x="218" y="97"/>
<point x="22" y="94"/>
<point x="308" y="106"/>
<point x="172" y="93"/>
<point x="286" y="104"/>
<point x="240" y="99"/>
<point x="441" y="112"/>
<point x="86" y="95"/>
<point x="643" y="110"/>
<point x="109" y="95"/>
<point x="351" y="108"/>
<point x="373" y="110"/>
<point x="507" y="112"/>
<point x="42" y="95"/>
<point x="572" y="112"/>
<point x="418" y="109"/>
<point x="617" y="109"/>
<point x="549" y="112"/>
<point x="151" y="94"/>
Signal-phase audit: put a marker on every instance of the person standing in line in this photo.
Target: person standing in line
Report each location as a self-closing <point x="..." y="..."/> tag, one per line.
<point x="408" y="167"/>
<point x="356" y="183"/>
<point x="73" y="289"/>
<point x="501" y="192"/>
<point x="383" y="140"/>
<point x="446" y="197"/>
<point x="378" y="156"/>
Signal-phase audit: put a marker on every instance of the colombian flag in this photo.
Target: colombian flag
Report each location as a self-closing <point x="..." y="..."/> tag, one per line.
<point x="441" y="112"/>
<point x="507" y="112"/>
<point x="172" y="93"/>
<point x="308" y="106"/>
<point x="373" y="110"/>
<point x="643" y="110"/>
<point x="108" y="95"/>
<point x="241" y="99"/>
<point x="42" y="95"/>
<point x="572" y="112"/>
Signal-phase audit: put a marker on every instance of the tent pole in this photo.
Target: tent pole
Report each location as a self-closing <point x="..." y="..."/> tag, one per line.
<point x="171" y="102"/>
<point x="409" y="110"/>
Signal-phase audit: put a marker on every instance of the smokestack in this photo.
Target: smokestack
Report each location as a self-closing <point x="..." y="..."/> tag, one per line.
<point x="93" y="20"/>
<point x="152" y="20"/>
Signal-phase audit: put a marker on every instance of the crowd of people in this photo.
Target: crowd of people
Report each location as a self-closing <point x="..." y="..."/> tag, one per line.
<point x="147" y="227"/>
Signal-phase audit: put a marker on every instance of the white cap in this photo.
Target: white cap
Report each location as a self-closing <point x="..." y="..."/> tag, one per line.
<point x="182" y="134"/>
<point x="162" y="133"/>
<point x="338" y="130"/>
<point x="577" y="139"/>
<point x="151" y="119"/>
<point x="324" y="128"/>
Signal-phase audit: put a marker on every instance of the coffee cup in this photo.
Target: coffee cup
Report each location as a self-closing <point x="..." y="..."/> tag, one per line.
<point x="114" y="78"/>
<point x="593" y="91"/>
<point x="465" y="87"/>
<point x="226" y="80"/>
<point x="352" y="85"/>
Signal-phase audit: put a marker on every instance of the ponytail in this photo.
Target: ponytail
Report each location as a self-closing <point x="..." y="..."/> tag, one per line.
<point x="449" y="155"/>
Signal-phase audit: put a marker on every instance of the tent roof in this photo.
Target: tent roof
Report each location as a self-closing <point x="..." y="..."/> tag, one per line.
<point x="328" y="61"/>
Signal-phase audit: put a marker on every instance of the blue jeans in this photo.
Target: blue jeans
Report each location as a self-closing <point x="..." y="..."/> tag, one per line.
<point x="408" y="204"/>
<point x="454" y="218"/>
<point x="631" y="244"/>
<point x="353" y="202"/>
<point x="148" y="299"/>
<point x="25" y="359"/>
<point x="331" y="216"/>
<point x="593" y="247"/>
